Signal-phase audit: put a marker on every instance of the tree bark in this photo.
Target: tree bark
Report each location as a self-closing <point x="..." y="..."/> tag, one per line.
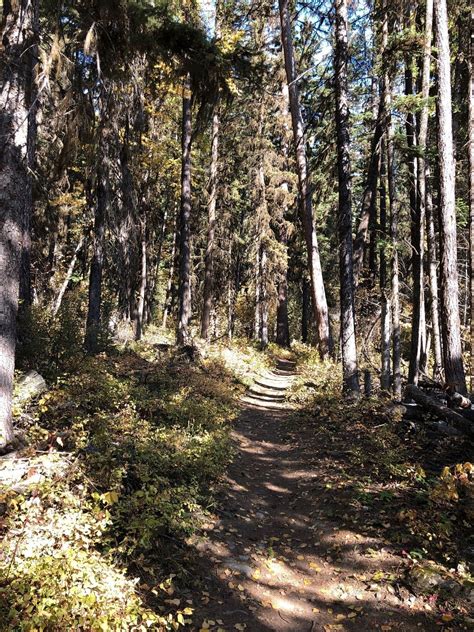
<point x="471" y="196"/>
<point x="370" y="192"/>
<point x="450" y="323"/>
<point x="93" y="323"/>
<point x="385" y="377"/>
<point x="394" y="263"/>
<point x="184" y="291"/>
<point x="17" y="149"/>
<point x="283" y="327"/>
<point x="417" y="230"/>
<point x="320" y="307"/>
<point x="433" y="279"/>
<point x="143" y="284"/>
<point x="211" y="209"/>
<point x="350" y="371"/>
<point x="305" y="309"/>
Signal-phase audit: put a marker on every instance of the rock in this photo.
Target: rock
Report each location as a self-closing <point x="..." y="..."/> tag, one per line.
<point x="29" y="386"/>
<point x="426" y="578"/>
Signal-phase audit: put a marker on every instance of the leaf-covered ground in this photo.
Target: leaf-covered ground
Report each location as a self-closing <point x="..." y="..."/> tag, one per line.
<point x="156" y="493"/>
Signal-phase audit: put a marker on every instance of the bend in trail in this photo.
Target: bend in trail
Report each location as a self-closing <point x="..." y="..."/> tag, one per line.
<point x="280" y="557"/>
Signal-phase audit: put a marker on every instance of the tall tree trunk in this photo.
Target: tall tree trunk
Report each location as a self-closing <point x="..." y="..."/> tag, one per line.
<point x="263" y="333"/>
<point x="422" y="171"/>
<point x="394" y="264"/>
<point x="350" y="371"/>
<point x="211" y="209"/>
<point x="305" y="309"/>
<point x="143" y="283"/>
<point x="471" y="195"/>
<point x="384" y="289"/>
<point x="282" y="326"/>
<point x="418" y="335"/>
<point x="169" y="284"/>
<point x="450" y="323"/>
<point x="17" y="148"/>
<point x="93" y="322"/>
<point x="127" y="234"/>
<point x="370" y="192"/>
<point x="320" y="307"/>
<point x="433" y="279"/>
<point x="282" y="323"/>
<point x="184" y="292"/>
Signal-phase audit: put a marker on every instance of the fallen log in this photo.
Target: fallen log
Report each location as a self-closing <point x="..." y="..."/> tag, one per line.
<point x="439" y="410"/>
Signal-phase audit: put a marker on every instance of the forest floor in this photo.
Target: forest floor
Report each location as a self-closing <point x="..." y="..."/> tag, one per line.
<point x="232" y="491"/>
<point x="290" y="550"/>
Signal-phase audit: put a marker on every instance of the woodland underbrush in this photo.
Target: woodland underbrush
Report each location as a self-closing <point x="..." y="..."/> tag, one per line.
<point x="122" y="453"/>
<point x="408" y="486"/>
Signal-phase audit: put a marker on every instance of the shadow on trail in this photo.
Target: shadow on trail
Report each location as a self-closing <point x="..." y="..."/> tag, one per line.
<point x="289" y="551"/>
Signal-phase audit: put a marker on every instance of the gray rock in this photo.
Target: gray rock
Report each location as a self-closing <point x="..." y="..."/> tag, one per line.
<point x="29" y="386"/>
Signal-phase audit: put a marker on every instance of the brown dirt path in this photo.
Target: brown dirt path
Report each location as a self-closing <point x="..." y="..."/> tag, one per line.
<point x="280" y="557"/>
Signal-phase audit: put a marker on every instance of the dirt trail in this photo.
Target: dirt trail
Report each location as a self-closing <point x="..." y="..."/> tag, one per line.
<point x="280" y="557"/>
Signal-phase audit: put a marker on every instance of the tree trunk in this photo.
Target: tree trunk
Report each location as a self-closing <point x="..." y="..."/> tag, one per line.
<point x="350" y="371"/>
<point x="263" y="333"/>
<point x="18" y="142"/>
<point x="282" y="327"/>
<point x="422" y="181"/>
<point x="211" y="209"/>
<point x="394" y="265"/>
<point x="450" y="323"/>
<point x="418" y="335"/>
<point x="69" y="273"/>
<point x="184" y="292"/>
<point x="143" y="283"/>
<point x="93" y="323"/>
<point x="305" y="309"/>
<point x="370" y="193"/>
<point x="320" y="307"/>
<point x="127" y="237"/>
<point x="169" y="285"/>
<point x="384" y="289"/>
<point x="433" y="279"/>
<point x="471" y="197"/>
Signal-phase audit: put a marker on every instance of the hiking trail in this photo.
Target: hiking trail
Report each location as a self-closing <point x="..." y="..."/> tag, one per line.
<point x="281" y="556"/>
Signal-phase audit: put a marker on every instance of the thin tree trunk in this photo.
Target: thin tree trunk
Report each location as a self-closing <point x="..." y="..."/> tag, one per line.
<point x="211" y="209"/>
<point x="305" y="309"/>
<point x="471" y="197"/>
<point x="450" y="323"/>
<point x="17" y="148"/>
<point x="93" y="322"/>
<point x="433" y="279"/>
<point x="169" y="285"/>
<point x="320" y="307"/>
<point x="417" y="239"/>
<point x="282" y="324"/>
<point x="370" y="193"/>
<point x="350" y="371"/>
<point x="394" y="265"/>
<point x="184" y="310"/>
<point x="143" y="283"/>
<point x="263" y="334"/>
<point x="69" y="273"/>
<point x="127" y="235"/>
<point x="384" y="289"/>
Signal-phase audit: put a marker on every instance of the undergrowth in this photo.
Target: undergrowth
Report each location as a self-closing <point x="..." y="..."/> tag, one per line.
<point x="123" y="453"/>
<point x="412" y="488"/>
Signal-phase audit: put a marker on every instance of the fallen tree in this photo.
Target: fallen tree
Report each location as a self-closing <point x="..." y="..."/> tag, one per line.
<point x="434" y="406"/>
